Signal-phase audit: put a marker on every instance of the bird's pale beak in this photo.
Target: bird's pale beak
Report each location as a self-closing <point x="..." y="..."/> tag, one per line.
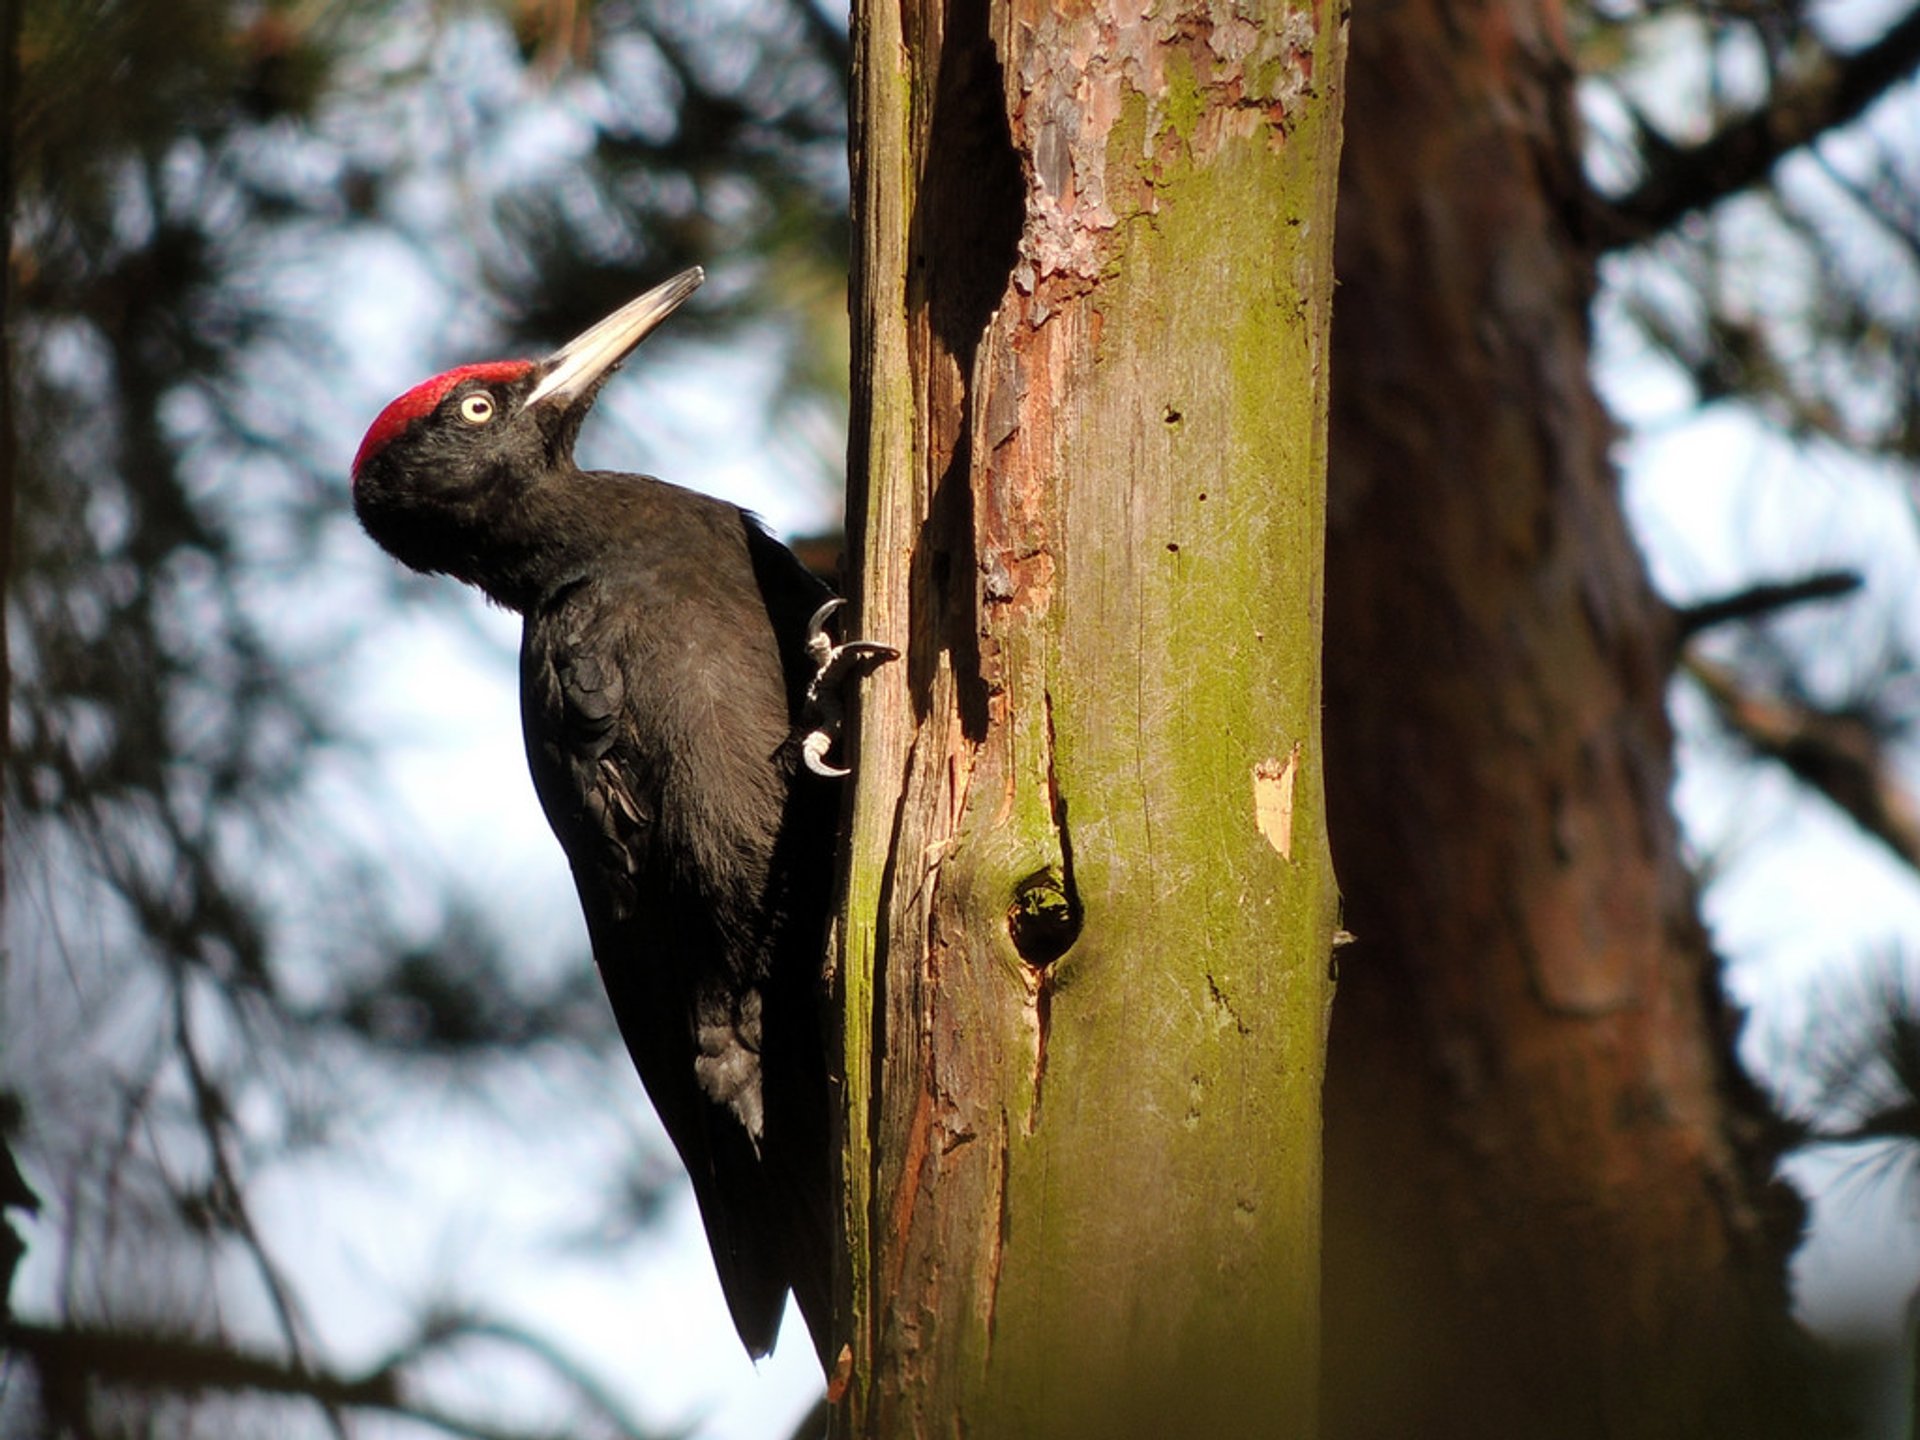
<point x="577" y="367"/>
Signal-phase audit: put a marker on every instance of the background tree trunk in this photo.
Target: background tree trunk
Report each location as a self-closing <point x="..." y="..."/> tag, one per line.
<point x="1549" y="1202"/>
<point x="1082" y="1149"/>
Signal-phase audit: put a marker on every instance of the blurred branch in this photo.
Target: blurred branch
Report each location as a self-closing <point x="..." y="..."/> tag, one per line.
<point x="1829" y="92"/>
<point x="1840" y="753"/>
<point x="450" y="1328"/>
<point x="71" y="1358"/>
<point x="1900" y="223"/>
<point x="228" y="1204"/>
<point x="1757" y="601"/>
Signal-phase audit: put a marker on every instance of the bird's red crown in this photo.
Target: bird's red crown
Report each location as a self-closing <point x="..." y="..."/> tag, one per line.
<point x="420" y="401"/>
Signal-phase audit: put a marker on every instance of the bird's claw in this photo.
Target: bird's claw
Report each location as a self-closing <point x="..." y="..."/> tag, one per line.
<point x="822" y="713"/>
<point x="813" y="750"/>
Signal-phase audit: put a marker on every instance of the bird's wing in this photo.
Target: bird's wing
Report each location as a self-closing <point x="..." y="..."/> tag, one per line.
<point x="660" y="916"/>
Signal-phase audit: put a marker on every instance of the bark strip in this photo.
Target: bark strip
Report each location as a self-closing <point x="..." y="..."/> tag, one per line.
<point x="1084" y="1044"/>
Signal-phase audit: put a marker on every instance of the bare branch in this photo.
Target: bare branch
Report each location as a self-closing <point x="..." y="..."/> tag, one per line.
<point x="69" y="1357"/>
<point x="1900" y="224"/>
<point x="449" y="1328"/>
<point x="1839" y="753"/>
<point x="1758" y="601"/>
<point x="212" y="1110"/>
<point x="1803" y="107"/>
<point x="183" y="1364"/>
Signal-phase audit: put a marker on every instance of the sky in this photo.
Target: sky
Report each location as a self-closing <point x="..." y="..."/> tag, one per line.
<point x="1801" y="899"/>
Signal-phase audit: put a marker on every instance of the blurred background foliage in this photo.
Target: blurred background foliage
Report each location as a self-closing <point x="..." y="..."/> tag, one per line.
<point x="219" y="969"/>
<point x="239" y="226"/>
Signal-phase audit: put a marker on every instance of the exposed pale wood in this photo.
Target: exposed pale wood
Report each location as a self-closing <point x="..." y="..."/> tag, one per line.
<point x="1084" y="1045"/>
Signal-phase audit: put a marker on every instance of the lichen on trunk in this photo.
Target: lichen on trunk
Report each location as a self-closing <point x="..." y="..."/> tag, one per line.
<point x="1085" y="1039"/>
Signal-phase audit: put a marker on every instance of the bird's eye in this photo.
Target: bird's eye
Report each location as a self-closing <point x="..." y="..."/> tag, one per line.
<point x="477" y="409"/>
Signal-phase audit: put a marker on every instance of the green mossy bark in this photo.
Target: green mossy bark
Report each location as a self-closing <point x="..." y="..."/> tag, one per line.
<point x="1082" y="1179"/>
<point x="881" y="522"/>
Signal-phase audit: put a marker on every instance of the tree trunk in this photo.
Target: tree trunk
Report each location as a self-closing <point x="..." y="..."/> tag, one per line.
<point x="1549" y="1205"/>
<point x="1084" y="1045"/>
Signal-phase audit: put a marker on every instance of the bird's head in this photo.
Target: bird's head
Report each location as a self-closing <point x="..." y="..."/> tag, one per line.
<point x="443" y="462"/>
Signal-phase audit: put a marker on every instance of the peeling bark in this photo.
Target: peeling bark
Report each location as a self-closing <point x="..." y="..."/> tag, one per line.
<point x="1084" y="1046"/>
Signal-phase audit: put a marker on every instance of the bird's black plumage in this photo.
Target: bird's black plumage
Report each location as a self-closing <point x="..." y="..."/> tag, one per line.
<point x="663" y="674"/>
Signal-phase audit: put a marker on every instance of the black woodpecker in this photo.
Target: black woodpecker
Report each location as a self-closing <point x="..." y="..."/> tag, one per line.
<point x="671" y="662"/>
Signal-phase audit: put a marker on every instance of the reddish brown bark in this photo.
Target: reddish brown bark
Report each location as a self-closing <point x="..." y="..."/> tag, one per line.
<point x="1549" y="1210"/>
<point x="1084" y="1037"/>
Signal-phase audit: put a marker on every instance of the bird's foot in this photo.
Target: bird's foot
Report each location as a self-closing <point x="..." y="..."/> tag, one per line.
<point x="823" y="712"/>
